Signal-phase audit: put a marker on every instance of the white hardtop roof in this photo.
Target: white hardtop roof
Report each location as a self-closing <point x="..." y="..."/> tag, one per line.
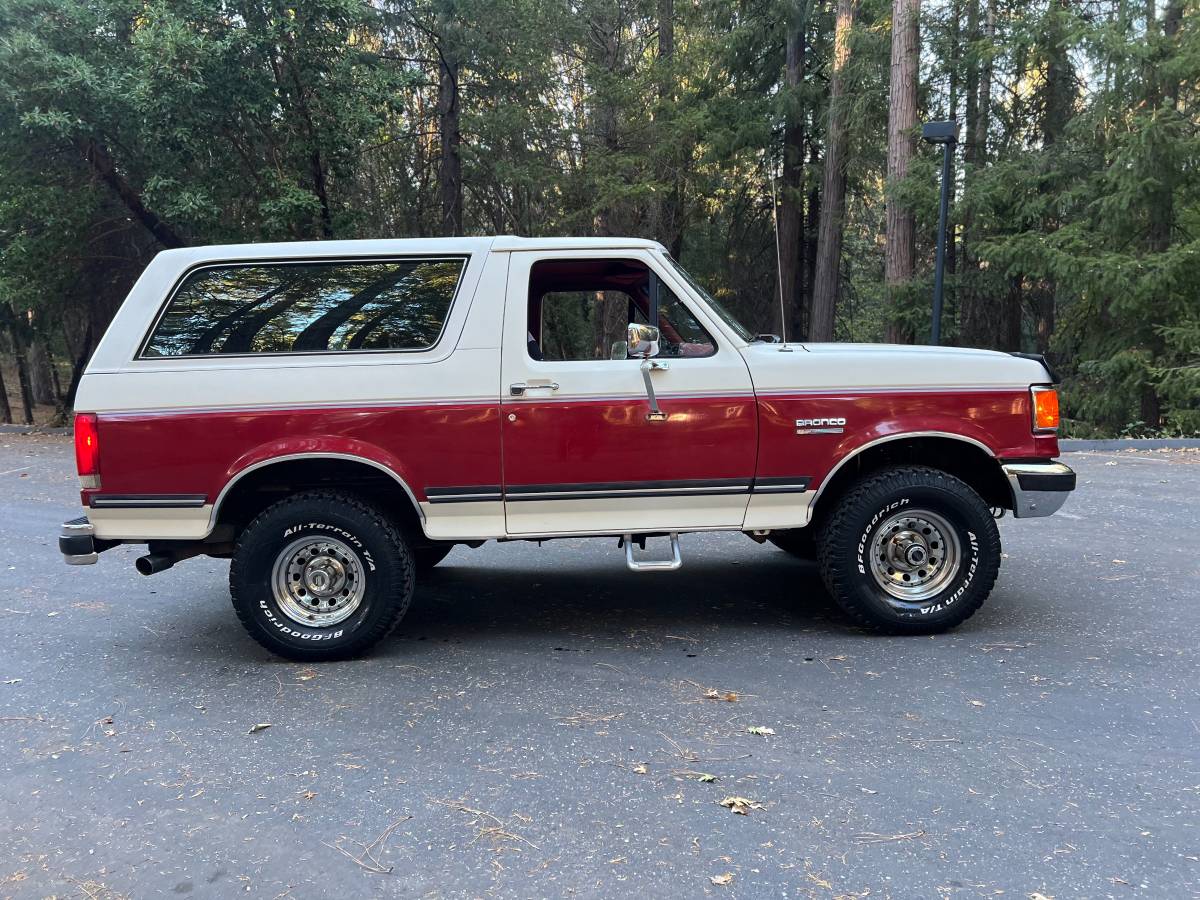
<point x="387" y="247"/>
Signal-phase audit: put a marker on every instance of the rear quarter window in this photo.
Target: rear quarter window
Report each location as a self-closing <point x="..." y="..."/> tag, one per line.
<point x="307" y="307"/>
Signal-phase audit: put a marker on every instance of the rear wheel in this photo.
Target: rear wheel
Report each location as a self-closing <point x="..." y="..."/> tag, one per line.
<point x="321" y="575"/>
<point x="910" y="550"/>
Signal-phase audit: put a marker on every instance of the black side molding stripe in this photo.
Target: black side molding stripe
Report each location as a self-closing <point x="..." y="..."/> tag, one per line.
<point x="620" y="495"/>
<point x="469" y="494"/>
<point x="602" y="486"/>
<point x="615" y="490"/>
<point x="147" y="501"/>
<point x="791" y="484"/>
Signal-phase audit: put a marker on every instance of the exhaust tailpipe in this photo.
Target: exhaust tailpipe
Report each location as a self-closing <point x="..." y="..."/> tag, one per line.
<point x="155" y="562"/>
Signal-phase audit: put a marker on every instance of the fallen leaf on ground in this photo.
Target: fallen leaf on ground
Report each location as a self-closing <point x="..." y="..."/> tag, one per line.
<point x="759" y="729"/>
<point x="259" y="726"/>
<point x="721" y="880"/>
<point x="741" y="805"/>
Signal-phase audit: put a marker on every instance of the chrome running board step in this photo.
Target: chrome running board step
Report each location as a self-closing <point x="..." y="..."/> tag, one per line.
<point x="652" y="565"/>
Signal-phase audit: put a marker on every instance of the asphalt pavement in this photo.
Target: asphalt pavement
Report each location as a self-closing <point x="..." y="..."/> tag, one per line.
<point x="546" y="723"/>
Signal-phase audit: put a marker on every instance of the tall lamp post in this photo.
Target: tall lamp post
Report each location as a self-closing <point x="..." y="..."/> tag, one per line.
<point x="946" y="134"/>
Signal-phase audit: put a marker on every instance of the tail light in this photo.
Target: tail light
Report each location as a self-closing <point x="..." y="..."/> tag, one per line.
<point x="1045" y="409"/>
<point x="87" y="450"/>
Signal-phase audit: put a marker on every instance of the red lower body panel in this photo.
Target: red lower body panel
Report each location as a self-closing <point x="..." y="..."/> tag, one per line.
<point x="1000" y="420"/>
<point x="199" y="452"/>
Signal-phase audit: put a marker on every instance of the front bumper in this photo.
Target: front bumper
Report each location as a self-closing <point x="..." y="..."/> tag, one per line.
<point x="79" y="545"/>
<point x="1038" y="488"/>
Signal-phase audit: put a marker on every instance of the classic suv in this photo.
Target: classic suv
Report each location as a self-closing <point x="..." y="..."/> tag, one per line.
<point x="336" y="416"/>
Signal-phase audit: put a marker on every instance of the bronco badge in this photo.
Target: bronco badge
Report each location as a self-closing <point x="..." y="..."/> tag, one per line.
<point x="820" y="426"/>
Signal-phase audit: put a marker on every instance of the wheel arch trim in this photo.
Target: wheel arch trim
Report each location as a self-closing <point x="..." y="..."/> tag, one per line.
<point x="889" y="438"/>
<point x="293" y="457"/>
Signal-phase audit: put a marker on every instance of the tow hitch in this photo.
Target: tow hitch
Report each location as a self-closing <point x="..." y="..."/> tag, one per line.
<point x="651" y="565"/>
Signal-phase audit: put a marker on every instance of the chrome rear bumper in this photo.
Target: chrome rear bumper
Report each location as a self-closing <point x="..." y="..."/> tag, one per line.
<point x="1038" y="488"/>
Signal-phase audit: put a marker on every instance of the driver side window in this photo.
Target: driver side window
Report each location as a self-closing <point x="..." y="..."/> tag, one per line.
<point x="579" y="308"/>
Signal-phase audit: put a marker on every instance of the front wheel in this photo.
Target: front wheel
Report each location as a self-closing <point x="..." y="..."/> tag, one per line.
<point x="321" y="575"/>
<point x="910" y="550"/>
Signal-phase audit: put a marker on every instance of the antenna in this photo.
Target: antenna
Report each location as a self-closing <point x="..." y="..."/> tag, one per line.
<point x="778" y="266"/>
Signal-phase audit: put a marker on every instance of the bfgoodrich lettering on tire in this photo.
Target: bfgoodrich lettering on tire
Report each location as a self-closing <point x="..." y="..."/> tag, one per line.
<point x="910" y="550"/>
<point x="321" y="575"/>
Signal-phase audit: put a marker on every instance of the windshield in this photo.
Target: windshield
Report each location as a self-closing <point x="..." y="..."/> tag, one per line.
<point x="726" y="316"/>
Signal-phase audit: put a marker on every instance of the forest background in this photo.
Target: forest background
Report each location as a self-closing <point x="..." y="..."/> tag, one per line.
<point x="129" y="126"/>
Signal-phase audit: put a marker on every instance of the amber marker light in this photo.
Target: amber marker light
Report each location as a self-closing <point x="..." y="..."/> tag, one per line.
<point x="1045" y="409"/>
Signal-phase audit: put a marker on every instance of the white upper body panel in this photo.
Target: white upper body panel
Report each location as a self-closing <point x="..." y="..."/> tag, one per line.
<point x="464" y="363"/>
<point x="850" y="367"/>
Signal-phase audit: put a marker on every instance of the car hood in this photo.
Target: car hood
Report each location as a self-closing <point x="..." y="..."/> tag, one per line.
<point x="808" y="367"/>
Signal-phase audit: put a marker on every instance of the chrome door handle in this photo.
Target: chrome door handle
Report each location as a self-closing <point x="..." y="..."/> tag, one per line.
<point x="521" y="388"/>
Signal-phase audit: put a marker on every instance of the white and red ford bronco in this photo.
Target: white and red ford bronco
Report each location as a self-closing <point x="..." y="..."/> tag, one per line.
<point x="336" y="416"/>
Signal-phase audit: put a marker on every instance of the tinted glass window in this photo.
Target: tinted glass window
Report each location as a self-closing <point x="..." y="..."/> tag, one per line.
<point x="308" y="308"/>
<point x="578" y="309"/>
<point x="584" y="325"/>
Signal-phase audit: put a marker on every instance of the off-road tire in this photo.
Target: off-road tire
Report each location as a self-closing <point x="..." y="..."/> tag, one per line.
<point x="382" y="557"/>
<point x="846" y="537"/>
<point x="426" y="556"/>
<point x="799" y="542"/>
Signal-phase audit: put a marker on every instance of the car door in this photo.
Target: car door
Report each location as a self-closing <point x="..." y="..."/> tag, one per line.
<point x="581" y="452"/>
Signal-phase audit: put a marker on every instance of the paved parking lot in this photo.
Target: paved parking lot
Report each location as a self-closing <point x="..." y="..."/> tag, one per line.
<point x="539" y="726"/>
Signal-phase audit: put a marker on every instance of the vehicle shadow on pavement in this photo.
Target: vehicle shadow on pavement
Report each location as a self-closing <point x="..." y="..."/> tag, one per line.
<point x="460" y="602"/>
<point x="464" y="602"/>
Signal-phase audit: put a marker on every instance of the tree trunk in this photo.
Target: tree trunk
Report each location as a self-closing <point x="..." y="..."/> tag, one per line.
<point x="671" y="157"/>
<point x="979" y="316"/>
<point x="812" y="219"/>
<point x="41" y="381"/>
<point x="1057" y="111"/>
<point x="1161" y="200"/>
<point x="79" y="363"/>
<point x="983" y="118"/>
<point x="1010" y="319"/>
<point x="791" y="194"/>
<point x="102" y="163"/>
<point x="15" y="333"/>
<point x="5" y="408"/>
<point x="831" y="229"/>
<point x="955" y="65"/>
<point x="450" y="171"/>
<point x="606" y="37"/>
<point x="900" y="253"/>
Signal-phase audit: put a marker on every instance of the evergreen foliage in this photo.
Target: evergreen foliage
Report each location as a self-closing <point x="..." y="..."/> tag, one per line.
<point x="127" y="126"/>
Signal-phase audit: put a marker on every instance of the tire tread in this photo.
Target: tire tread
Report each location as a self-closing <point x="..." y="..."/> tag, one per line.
<point x="402" y="558"/>
<point x="836" y="539"/>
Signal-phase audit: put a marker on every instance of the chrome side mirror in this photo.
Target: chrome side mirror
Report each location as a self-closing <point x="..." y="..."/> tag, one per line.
<point x="642" y="340"/>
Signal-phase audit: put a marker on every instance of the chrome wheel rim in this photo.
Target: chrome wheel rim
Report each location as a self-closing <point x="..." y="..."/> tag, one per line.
<point x="915" y="555"/>
<point x="318" y="581"/>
